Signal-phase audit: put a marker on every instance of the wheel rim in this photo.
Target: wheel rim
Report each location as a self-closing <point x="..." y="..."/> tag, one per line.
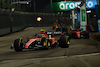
<point x="48" y="44"/>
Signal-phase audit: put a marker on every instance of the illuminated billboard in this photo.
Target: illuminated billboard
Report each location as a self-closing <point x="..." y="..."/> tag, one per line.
<point x="68" y="5"/>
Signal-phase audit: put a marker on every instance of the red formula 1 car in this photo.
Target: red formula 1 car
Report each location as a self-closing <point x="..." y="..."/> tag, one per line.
<point x="79" y="34"/>
<point x="40" y="41"/>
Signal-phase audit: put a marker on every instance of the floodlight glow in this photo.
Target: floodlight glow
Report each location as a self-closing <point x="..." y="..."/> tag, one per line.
<point x="39" y="19"/>
<point x="88" y="11"/>
<point x="27" y="2"/>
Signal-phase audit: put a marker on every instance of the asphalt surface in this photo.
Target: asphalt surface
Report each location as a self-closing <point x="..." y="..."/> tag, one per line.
<point x="81" y="53"/>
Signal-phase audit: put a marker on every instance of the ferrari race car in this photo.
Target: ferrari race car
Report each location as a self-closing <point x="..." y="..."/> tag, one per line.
<point x="78" y="34"/>
<point x="40" y="41"/>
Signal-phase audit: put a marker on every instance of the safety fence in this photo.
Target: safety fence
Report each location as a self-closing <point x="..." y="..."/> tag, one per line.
<point x="15" y="21"/>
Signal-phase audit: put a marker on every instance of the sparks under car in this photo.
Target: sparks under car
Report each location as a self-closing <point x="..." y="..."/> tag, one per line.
<point x="40" y="41"/>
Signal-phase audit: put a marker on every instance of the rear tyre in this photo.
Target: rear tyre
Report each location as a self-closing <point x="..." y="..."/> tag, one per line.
<point x="18" y="45"/>
<point x="63" y="42"/>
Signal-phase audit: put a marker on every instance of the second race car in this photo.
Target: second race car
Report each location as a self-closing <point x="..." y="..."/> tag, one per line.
<point x="78" y="34"/>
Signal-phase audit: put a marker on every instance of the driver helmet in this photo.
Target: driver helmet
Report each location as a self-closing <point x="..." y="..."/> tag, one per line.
<point x="42" y="31"/>
<point x="39" y="36"/>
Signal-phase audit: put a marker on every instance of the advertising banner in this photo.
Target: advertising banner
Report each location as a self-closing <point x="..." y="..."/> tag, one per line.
<point x="99" y="25"/>
<point x="78" y="17"/>
<point x="97" y="11"/>
<point x="83" y="17"/>
<point x="68" y="5"/>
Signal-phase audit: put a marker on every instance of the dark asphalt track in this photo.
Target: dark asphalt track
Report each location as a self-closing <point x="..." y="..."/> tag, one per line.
<point x="77" y="47"/>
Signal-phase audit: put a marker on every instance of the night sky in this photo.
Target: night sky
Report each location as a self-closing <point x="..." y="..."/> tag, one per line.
<point x="42" y="4"/>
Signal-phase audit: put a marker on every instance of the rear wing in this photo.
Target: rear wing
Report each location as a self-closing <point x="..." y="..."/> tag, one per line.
<point x="53" y="33"/>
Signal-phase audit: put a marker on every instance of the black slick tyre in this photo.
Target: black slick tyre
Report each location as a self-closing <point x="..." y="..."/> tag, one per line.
<point x="63" y="42"/>
<point x="18" y="45"/>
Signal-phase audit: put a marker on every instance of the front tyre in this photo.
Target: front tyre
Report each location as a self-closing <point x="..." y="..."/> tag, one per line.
<point x="48" y="44"/>
<point x="18" y="45"/>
